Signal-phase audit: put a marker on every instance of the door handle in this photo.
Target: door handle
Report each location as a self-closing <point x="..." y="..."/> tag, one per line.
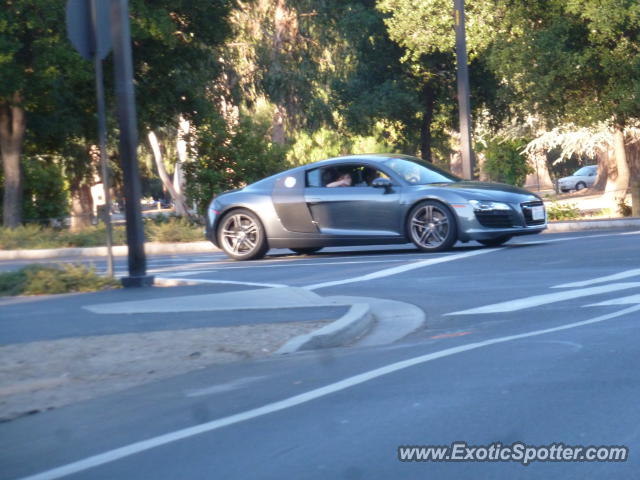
<point x="314" y="200"/>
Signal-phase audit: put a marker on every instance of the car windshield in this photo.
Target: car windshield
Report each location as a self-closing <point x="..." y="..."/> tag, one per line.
<point x="418" y="172"/>
<point x="584" y="171"/>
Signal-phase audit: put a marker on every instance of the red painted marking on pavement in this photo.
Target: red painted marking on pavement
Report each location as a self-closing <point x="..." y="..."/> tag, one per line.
<point x="449" y="335"/>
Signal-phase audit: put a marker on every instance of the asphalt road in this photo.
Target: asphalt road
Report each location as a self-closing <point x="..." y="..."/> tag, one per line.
<point x="535" y="342"/>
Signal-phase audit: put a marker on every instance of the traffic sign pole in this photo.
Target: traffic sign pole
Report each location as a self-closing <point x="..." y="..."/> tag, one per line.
<point x="102" y="134"/>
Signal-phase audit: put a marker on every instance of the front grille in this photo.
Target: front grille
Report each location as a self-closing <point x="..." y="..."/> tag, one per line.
<point x="526" y="211"/>
<point x="495" y="219"/>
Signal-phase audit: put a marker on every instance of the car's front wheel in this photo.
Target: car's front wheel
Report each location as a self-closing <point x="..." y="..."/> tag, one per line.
<point x="431" y="226"/>
<point x="580" y="186"/>
<point x="241" y="235"/>
<point x="495" y="242"/>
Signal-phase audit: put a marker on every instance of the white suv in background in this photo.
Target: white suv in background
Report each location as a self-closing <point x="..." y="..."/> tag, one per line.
<point x="582" y="178"/>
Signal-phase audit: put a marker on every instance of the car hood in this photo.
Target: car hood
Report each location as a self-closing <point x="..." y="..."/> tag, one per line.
<point x="499" y="192"/>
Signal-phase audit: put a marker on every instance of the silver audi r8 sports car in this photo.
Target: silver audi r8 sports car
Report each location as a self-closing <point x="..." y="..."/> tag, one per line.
<point x="368" y="200"/>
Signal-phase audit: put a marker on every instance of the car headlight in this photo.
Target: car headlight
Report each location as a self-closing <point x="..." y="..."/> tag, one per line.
<point x="483" y="205"/>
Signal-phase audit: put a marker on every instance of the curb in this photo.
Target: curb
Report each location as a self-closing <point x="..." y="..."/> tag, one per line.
<point x="584" y="225"/>
<point x="118" y="251"/>
<point x="352" y="325"/>
<point x="208" y="247"/>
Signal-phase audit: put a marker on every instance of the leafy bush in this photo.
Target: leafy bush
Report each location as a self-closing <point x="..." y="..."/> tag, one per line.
<point x="35" y="236"/>
<point x="45" y="195"/>
<point x="95" y="236"/>
<point x="45" y="279"/>
<point x="27" y="236"/>
<point x="624" y="209"/>
<point x="559" y="211"/>
<point x="504" y="163"/>
<point x="231" y="157"/>
<point x="172" y="229"/>
<point x="160" y="228"/>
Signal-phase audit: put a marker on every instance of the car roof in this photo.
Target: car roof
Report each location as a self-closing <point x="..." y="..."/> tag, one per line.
<point x="365" y="157"/>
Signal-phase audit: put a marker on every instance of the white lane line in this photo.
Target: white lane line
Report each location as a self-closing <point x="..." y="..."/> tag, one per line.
<point x="225" y="387"/>
<point x="630" y="300"/>
<point x="138" y="447"/>
<point x="222" y="269"/>
<point x="229" y="282"/>
<point x="400" y="269"/>
<point x="616" y="276"/>
<point x="537" y="300"/>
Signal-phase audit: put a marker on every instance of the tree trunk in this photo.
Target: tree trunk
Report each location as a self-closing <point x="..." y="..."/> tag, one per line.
<point x="427" y="119"/>
<point x="604" y="167"/>
<point x="618" y="180"/>
<point x="184" y="127"/>
<point x="540" y="179"/>
<point x="12" y="130"/>
<point x="178" y="198"/>
<point x="81" y="206"/>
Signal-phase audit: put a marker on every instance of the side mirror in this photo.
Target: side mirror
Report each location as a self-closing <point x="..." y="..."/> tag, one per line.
<point x="382" y="182"/>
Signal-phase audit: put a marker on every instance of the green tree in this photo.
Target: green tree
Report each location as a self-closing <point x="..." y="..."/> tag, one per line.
<point x="231" y="156"/>
<point x="46" y="89"/>
<point x="574" y="62"/>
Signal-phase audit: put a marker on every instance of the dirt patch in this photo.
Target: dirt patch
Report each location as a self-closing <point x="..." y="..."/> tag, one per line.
<point x="40" y="376"/>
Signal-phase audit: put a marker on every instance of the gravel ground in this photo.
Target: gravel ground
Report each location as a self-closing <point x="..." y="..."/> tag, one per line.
<point x="40" y="376"/>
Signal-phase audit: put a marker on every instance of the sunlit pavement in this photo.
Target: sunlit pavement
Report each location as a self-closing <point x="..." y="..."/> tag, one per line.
<point x="531" y="342"/>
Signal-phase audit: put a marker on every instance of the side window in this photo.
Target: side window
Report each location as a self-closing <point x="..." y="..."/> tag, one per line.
<point x="353" y="175"/>
<point x="314" y="178"/>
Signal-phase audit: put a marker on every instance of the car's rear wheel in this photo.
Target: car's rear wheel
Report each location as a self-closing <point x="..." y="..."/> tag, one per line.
<point x="306" y="251"/>
<point x="241" y="235"/>
<point x="431" y="226"/>
<point x="495" y="242"/>
<point x="581" y="185"/>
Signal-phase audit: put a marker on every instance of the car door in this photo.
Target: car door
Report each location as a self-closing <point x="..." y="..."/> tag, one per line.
<point x="356" y="210"/>
<point x="289" y="203"/>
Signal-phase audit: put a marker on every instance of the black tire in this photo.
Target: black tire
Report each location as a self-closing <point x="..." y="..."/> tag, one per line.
<point x="242" y="236"/>
<point x="495" y="242"/>
<point x="431" y="226"/>
<point x="306" y="251"/>
<point x="580" y="186"/>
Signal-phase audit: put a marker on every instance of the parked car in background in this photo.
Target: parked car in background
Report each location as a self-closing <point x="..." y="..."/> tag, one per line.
<point x="582" y="178"/>
<point x="369" y="200"/>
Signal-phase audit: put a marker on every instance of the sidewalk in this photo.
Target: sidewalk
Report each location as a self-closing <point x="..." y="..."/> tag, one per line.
<point x="63" y="349"/>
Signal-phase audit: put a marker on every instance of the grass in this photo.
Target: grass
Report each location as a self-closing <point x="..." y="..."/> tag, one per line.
<point x="158" y="229"/>
<point x="46" y="279"/>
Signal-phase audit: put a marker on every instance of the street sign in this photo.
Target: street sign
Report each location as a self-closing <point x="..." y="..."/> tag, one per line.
<point x="79" y="28"/>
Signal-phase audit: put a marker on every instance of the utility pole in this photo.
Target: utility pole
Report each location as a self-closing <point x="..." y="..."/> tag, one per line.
<point x="464" y="103"/>
<point x="123" y="68"/>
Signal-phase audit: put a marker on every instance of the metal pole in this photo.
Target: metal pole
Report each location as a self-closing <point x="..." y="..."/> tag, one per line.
<point x="123" y="67"/>
<point x="102" y="135"/>
<point x="464" y="104"/>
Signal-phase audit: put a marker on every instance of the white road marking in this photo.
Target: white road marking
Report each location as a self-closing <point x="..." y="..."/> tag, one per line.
<point x="225" y="387"/>
<point x="318" y="264"/>
<point x="230" y="282"/>
<point x="537" y="300"/>
<point x="593" y="281"/>
<point x="399" y="269"/>
<point x="144" y="445"/>
<point x="630" y="300"/>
